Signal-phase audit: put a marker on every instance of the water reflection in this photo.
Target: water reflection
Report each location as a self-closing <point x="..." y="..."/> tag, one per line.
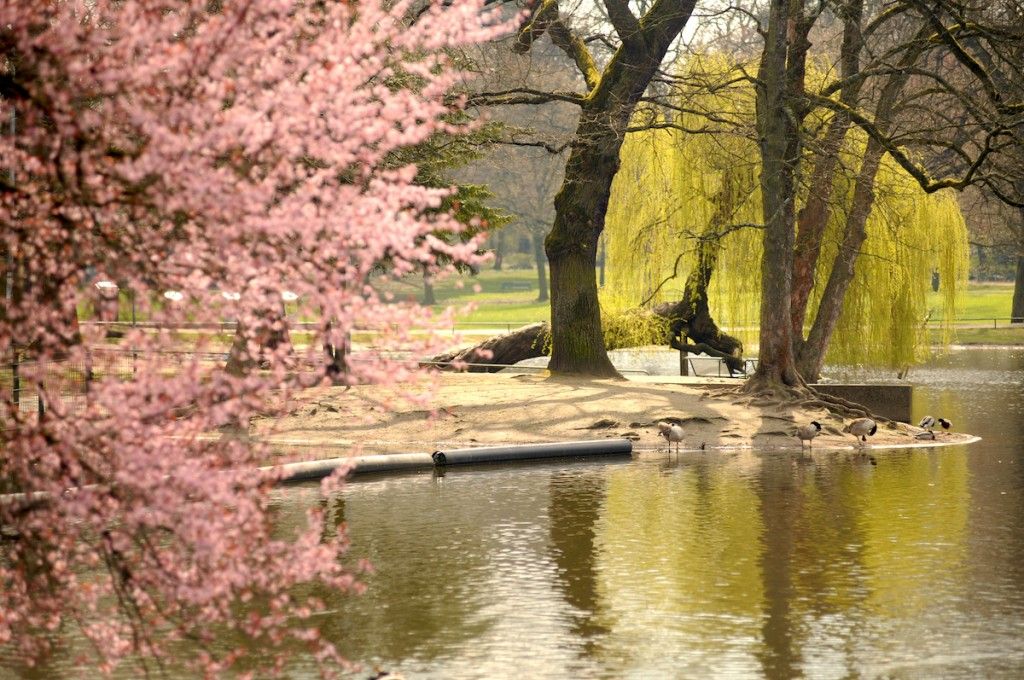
<point x="678" y="579"/>
<point x="576" y="504"/>
<point x="703" y="565"/>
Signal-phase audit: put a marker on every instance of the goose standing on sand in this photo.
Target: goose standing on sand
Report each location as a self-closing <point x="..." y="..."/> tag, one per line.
<point x="808" y="432"/>
<point x="672" y="433"/>
<point x="862" y="428"/>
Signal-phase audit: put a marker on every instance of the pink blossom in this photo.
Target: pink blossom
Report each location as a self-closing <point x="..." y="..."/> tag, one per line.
<point x="241" y="151"/>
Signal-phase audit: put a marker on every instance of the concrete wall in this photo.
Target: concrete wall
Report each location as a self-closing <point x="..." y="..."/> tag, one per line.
<point x="889" y="401"/>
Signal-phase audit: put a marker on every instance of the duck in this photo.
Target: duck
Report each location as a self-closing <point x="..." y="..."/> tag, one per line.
<point x="945" y="424"/>
<point x="862" y="428"/>
<point x="927" y="423"/>
<point x="808" y="432"/>
<point x="926" y="435"/>
<point x="671" y="432"/>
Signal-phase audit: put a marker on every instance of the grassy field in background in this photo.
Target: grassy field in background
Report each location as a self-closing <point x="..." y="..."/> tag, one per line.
<point x="982" y="303"/>
<point x="508" y="299"/>
<point x="494" y="302"/>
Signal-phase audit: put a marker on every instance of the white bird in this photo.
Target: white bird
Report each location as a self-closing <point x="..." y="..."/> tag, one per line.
<point x="672" y="433"/>
<point x="945" y="424"/>
<point x="927" y="423"/>
<point x="862" y="427"/>
<point x="808" y="432"/>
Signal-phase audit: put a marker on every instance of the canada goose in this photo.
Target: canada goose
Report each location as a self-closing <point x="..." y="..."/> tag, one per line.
<point x="927" y="423"/>
<point x="862" y="427"/>
<point x="672" y="433"/>
<point x="808" y="432"/>
<point x="945" y="424"/>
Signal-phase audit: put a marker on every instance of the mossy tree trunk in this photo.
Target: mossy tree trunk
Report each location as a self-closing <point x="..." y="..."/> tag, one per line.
<point x="582" y="201"/>
<point x="691" y="327"/>
<point x="571" y="247"/>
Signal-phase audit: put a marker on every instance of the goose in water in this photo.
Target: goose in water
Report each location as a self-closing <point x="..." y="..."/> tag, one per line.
<point x="862" y="428"/>
<point x="808" y="432"/>
<point x="672" y="433"/>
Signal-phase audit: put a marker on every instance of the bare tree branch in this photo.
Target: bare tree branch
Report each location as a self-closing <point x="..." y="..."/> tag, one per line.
<point x="625" y="24"/>
<point x="546" y="18"/>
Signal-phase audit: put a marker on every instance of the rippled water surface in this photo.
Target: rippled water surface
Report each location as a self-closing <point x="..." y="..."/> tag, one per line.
<point x="705" y="565"/>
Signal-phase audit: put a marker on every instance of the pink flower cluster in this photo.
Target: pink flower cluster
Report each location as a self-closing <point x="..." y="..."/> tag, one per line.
<point x="196" y="146"/>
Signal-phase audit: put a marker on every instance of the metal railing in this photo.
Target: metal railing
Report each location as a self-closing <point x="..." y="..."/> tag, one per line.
<point x="34" y="385"/>
<point x="515" y="366"/>
<point x="721" y="370"/>
<point x="982" y="322"/>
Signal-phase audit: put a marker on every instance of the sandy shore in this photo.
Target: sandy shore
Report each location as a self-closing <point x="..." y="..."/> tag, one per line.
<point x="480" y="410"/>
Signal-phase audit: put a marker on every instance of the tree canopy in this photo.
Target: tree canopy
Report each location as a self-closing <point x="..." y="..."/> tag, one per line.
<point x="207" y="157"/>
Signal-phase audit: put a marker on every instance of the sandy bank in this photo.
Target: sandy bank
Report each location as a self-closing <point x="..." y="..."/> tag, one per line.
<point x="477" y="410"/>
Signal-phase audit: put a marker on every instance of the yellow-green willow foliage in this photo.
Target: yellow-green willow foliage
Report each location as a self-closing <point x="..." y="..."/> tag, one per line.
<point x="674" y="187"/>
<point x="671" y="190"/>
<point x="910" y="235"/>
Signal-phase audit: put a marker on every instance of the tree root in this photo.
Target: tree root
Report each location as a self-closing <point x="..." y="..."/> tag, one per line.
<point x="841" y="407"/>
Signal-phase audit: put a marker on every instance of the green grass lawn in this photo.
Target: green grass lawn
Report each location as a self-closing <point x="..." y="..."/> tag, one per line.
<point x="502" y="298"/>
<point x="509" y="298"/>
<point x="984" y="336"/>
<point x="981" y="301"/>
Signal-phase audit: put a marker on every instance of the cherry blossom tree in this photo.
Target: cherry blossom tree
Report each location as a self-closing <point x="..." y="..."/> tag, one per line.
<point x="227" y="151"/>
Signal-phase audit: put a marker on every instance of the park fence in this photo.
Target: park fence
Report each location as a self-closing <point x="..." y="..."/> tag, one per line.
<point x="32" y="386"/>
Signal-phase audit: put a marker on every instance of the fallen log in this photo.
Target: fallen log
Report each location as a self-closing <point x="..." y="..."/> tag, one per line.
<point x="527" y="342"/>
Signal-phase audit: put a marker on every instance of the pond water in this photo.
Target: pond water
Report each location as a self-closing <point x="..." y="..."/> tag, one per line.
<point x="706" y="564"/>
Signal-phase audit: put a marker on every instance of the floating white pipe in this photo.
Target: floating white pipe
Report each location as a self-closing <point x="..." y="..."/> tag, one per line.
<point x="491" y="454"/>
<point x="316" y="469"/>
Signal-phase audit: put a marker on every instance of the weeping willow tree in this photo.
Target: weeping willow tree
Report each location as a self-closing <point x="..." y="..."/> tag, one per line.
<point x="681" y="198"/>
<point x="911" y="235"/>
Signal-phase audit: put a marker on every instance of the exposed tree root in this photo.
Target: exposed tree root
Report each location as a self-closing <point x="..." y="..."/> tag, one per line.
<point x="762" y="392"/>
<point x="841" y="407"/>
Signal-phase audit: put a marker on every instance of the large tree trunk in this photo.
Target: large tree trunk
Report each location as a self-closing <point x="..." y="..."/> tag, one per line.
<point x="690" y="318"/>
<point x="428" y="289"/>
<point x="541" y="260"/>
<point x="813" y="218"/>
<point x="582" y="201"/>
<point x="692" y="329"/>
<point x="779" y="103"/>
<point x="580" y="207"/>
<point x="499" y="250"/>
<point x="1017" y="308"/>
